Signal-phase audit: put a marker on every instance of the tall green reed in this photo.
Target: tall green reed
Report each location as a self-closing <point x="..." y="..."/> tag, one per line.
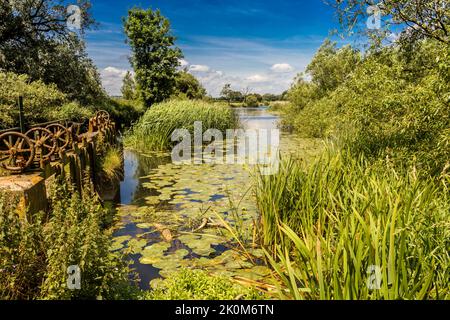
<point x="325" y="227"/>
<point x="154" y="130"/>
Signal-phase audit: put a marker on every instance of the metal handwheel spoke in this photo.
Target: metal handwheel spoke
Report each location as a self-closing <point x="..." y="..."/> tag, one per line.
<point x="61" y="136"/>
<point x="40" y="136"/>
<point x="20" y="151"/>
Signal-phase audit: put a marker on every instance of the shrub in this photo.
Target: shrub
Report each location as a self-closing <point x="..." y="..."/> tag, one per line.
<point x="198" y="285"/>
<point x="71" y="111"/>
<point x="35" y="254"/>
<point x="39" y="99"/>
<point x="124" y="112"/>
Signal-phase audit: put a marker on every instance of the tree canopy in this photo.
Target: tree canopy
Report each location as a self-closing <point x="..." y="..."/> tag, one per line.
<point x="154" y="57"/>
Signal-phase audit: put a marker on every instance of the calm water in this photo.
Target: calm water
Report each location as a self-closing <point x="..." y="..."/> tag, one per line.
<point x="178" y="196"/>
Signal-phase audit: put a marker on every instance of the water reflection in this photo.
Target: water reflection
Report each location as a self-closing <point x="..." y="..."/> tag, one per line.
<point x="184" y="190"/>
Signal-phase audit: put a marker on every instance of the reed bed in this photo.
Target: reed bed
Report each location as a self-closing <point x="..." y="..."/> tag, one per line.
<point x="342" y="229"/>
<point x="153" y="132"/>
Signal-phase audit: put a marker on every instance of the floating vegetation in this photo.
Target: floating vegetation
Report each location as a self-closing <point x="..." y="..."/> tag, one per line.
<point x="184" y="214"/>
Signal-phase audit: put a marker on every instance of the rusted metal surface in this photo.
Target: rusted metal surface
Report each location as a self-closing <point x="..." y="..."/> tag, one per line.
<point x="45" y="142"/>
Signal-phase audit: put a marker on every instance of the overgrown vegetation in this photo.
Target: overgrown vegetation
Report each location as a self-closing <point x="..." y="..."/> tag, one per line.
<point x="35" y="253"/>
<point x="370" y="219"/>
<point x="393" y="103"/>
<point x="324" y="226"/>
<point x="154" y="130"/>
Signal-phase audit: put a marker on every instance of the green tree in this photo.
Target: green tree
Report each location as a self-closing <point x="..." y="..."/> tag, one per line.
<point x="154" y="59"/>
<point x="331" y="66"/>
<point x="419" y="19"/>
<point x="129" y="87"/>
<point x="35" y="40"/>
<point x="251" y="101"/>
<point x="188" y="86"/>
<point x="231" y="95"/>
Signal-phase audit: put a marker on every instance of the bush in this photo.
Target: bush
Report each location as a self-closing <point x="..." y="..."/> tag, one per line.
<point x="154" y="130"/>
<point x="198" y="285"/>
<point x="393" y="103"/>
<point x="251" y="101"/>
<point x="39" y="99"/>
<point x="124" y="112"/>
<point x="35" y="254"/>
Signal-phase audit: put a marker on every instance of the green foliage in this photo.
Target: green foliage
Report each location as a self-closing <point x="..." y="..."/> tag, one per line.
<point x="72" y="111"/>
<point x="188" y="87"/>
<point x="111" y="164"/>
<point x="231" y="95"/>
<point x="154" y="130"/>
<point x="324" y="226"/>
<point x="252" y="101"/>
<point x="35" y="254"/>
<point x="154" y="58"/>
<point x="393" y="103"/>
<point x="35" y="40"/>
<point x="418" y="19"/>
<point x="129" y="87"/>
<point x="124" y="112"/>
<point x="198" y="285"/>
<point x="39" y="99"/>
<point x="331" y="66"/>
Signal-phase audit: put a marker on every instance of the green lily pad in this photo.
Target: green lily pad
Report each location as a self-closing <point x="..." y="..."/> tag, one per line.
<point x="144" y="225"/>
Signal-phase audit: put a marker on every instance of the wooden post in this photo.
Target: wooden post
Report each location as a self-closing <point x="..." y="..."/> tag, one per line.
<point x="21" y="115"/>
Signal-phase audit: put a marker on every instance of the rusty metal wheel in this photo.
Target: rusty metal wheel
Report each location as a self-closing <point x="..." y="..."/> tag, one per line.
<point x="61" y="136"/>
<point x="43" y="141"/>
<point x="16" y="151"/>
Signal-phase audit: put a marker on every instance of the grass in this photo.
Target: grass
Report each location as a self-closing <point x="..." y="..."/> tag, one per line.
<point x="323" y="228"/>
<point x="153" y="132"/>
<point x="111" y="164"/>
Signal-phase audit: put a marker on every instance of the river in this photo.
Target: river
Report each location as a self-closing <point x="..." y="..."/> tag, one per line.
<point x="163" y="205"/>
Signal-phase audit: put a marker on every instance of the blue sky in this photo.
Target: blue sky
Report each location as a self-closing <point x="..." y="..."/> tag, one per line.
<point x="259" y="44"/>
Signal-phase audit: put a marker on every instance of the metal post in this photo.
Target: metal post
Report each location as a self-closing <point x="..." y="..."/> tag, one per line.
<point x="21" y="115"/>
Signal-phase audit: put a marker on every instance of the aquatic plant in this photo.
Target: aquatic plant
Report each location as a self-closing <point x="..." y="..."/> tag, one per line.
<point x="154" y="131"/>
<point x="198" y="285"/>
<point x="331" y="229"/>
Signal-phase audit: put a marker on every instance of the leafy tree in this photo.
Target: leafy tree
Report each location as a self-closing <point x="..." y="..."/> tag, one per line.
<point x="251" y="101"/>
<point x="154" y="58"/>
<point x="129" y="87"/>
<point x="419" y="19"/>
<point x="27" y="23"/>
<point x="188" y="86"/>
<point x="331" y="66"/>
<point x="231" y="95"/>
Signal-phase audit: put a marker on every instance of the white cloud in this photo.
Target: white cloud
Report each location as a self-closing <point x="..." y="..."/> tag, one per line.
<point x="282" y="68"/>
<point x="183" y="63"/>
<point x="257" y="78"/>
<point x="199" y="68"/>
<point x="112" y="79"/>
